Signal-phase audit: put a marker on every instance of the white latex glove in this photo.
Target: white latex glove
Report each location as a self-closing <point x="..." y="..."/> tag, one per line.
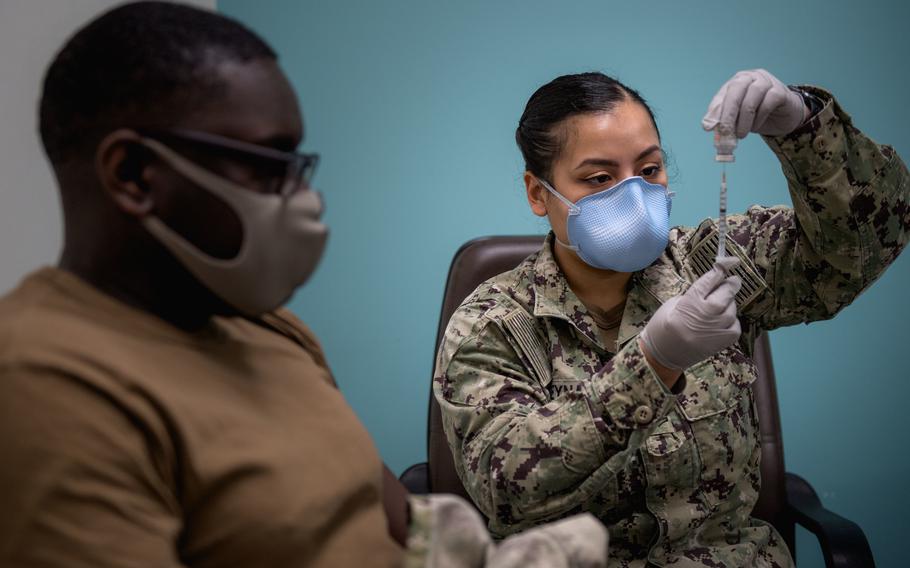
<point x="756" y="101"/>
<point x="447" y="532"/>
<point x="698" y="323"/>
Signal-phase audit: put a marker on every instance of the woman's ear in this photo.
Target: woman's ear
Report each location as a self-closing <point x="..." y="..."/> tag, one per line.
<point x="120" y="162"/>
<point x="537" y="194"/>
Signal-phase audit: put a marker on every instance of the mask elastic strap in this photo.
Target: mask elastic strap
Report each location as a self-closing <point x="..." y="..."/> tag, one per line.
<point x="573" y="210"/>
<point x="562" y="244"/>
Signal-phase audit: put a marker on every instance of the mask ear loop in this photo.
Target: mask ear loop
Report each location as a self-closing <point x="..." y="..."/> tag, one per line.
<point x="573" y="210"/>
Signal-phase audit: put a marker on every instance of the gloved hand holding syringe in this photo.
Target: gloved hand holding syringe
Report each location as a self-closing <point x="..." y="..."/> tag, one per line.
<point x="689" y="327"/>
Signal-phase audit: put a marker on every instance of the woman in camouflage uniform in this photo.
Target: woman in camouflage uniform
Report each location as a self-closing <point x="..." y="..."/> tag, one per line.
<point x="569" y="386"/>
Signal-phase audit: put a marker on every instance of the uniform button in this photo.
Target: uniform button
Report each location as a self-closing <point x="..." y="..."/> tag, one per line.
<point x="643" y="414"/>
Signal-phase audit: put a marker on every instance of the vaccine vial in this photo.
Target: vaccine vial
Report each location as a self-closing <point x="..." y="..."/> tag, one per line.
<point x="724" y="143"/>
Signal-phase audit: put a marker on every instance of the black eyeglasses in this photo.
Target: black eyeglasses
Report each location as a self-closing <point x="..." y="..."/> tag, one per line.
<point x="284" y="172"/>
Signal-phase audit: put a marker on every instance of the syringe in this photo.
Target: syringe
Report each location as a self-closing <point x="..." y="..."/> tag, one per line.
<point x="724" y="144"/>
<point x="722" y="221"/>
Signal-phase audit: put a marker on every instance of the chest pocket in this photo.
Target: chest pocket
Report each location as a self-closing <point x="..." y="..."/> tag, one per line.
<point x="671" y="461"/>
<point x="717" y="407"/>
<point x="671" y="465"/>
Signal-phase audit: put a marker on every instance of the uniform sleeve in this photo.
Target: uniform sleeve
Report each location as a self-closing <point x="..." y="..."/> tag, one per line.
<point x="523" y="456"/>
<point x="79" y="486"/>
<point x="849" y="220"/>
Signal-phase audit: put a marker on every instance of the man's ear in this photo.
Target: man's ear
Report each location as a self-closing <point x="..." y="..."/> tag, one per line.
<point x="121" y="162"/>
<point x="537" y="194"/>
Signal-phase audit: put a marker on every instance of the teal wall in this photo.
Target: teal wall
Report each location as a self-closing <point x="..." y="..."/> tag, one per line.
<point x="413" y="105"/>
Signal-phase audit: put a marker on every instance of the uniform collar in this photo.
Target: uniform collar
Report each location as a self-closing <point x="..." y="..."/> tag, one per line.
<point x="650" y="288"/>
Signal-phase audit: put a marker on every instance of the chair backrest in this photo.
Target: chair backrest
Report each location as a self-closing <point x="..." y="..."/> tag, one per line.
<point x="483" y="258"/>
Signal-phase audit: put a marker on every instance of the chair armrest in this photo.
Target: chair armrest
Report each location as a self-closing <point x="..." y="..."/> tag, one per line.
<point x="842" y="541"/>
<point x="416" y="478"/>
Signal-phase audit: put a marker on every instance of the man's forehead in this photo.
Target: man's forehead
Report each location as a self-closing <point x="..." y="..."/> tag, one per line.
<point x="256" y="103"/>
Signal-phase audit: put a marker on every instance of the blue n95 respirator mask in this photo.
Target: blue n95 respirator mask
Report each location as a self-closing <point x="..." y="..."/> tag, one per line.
<point x="622" y="228"/>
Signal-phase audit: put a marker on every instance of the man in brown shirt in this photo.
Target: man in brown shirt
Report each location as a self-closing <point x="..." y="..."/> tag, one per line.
<point x="128" y="441"/>
<point x="150" y="414"/>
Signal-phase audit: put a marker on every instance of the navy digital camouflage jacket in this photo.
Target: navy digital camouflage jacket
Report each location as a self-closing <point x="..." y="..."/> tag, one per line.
<point x="543" y="420"/>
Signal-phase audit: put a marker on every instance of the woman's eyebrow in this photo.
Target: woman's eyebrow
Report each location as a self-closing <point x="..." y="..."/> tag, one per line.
<point x="648" y="150"/>
<point x="614" y="163"/>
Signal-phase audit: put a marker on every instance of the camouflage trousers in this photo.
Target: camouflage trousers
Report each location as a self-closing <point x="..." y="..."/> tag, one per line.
<point x="447" y="532"/>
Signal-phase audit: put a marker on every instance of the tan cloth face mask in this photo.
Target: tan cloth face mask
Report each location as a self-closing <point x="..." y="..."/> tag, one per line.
<point x="283" y="240"/>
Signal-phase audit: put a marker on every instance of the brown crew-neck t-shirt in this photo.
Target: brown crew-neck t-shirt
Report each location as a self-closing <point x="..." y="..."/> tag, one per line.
<point x="127" y="442"/>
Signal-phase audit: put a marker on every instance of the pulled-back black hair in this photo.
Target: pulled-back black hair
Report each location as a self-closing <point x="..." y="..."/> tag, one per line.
<point x="562" y="98"/>
<point x="135" y="64"/>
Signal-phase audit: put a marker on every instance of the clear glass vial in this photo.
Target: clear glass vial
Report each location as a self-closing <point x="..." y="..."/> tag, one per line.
<point x="724" y="143"/>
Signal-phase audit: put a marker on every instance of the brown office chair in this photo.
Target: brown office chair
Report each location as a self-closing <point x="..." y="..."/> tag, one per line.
<point x="785" y="499"/>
